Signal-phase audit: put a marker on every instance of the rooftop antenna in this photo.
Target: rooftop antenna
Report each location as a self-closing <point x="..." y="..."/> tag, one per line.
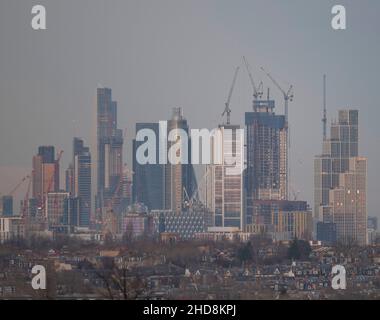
<point x="324" y="119"/>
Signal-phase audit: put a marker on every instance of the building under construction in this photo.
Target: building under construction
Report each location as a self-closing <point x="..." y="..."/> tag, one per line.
<point x="266" y="140"/>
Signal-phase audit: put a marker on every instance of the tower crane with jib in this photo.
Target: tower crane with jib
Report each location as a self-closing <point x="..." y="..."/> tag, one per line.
<point x="288" y="95"/>
<point x="25" y="204"/>
<point x="227" y="109"/>
<point x="18" y="185"/>
<point x="257" y="91"/>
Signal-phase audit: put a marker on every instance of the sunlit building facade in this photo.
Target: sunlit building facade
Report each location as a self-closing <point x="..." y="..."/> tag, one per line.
<point x="224" y="177"/>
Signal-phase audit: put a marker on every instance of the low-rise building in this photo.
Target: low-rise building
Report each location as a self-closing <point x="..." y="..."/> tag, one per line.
<point x="11" y="228"/>
<point x="223" y="233"/>
<point x="186" y="224"/>
<point x="137" y="225"/>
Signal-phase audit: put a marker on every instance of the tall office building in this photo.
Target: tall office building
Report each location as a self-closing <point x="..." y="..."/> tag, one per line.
<point x="45" y="176"/>
<point x="78" y="180"/>
<point x="109" y="150"/>
<point x="336" y="152"/>
<point x="179" y="179"/>
<point x="348" y="203"/>
<point x="340" y="181"/>
<point x="224" y="177"/>
<point x="266" y="173"/>
<point x="148" y="179"/>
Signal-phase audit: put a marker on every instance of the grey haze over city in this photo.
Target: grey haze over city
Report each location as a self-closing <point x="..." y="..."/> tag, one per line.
<point x="156" y="55"/>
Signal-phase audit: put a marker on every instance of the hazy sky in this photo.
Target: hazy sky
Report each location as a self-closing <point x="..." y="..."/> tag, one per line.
<point x="160" y="54"/>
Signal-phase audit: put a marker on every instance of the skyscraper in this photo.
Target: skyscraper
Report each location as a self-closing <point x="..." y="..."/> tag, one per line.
<point x="79" y="180"/>
<point x="336" y="151"/>
<point x="224" y="189"/>
<point x="340" y="177"/>
<point x="266" y="155"/>
<point x="148" y="179"/>
<point x="109" y="149"/>
<point x="348" y="203"/>
<point x="179" y="178"/>
<point x="45" y="176"/>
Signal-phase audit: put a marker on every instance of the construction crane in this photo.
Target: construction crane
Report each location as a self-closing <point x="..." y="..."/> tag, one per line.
<point x="227" y="109"/>
<point x="288" y="95"/>
<point x="18" y="185"/>
<point x="295" y="193"/>
<point x="26" y="198"/>
<point x="257" y="91"/>
<point x="190" y="202"/>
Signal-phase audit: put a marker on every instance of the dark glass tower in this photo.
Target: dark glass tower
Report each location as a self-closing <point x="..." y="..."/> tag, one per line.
<point x="148" y="179"/>
<point x="82" y="180"/>
<point x="7" y="206"/>
<point x="46" y="153"/>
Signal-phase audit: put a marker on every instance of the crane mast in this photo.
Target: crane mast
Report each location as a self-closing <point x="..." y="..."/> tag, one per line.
<point x="227" y="109"/>
<point x="257" y="91"/>
<point x="288" y="95"/>
<point x="324" y="119"/>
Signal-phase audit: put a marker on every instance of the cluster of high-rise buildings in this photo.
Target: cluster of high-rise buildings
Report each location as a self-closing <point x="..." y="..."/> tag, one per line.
<point x="253" y="200"/>
<point x="166" y="199"/>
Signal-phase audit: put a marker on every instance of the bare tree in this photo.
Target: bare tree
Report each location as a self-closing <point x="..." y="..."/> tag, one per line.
<point x="118" y="281"/>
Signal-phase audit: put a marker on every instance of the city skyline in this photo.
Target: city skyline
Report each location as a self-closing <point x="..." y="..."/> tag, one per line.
<point x="164" y="150"/>
<point x="131" y="110"/>
<point x="47" y="154"/>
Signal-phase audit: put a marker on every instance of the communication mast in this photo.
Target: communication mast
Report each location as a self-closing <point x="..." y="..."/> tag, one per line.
<point x="324" y="119"/>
